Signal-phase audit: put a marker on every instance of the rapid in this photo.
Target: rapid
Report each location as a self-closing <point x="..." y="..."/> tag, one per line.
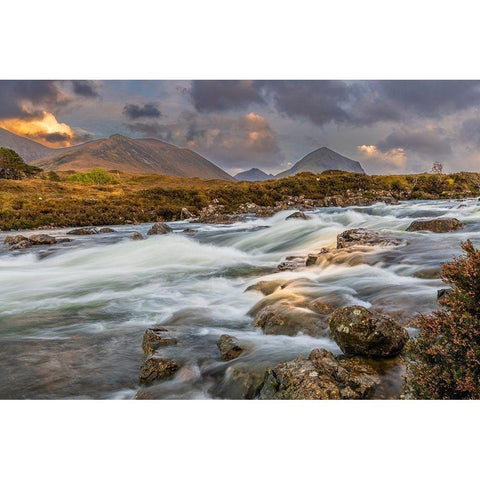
<point x="72" y="315"/>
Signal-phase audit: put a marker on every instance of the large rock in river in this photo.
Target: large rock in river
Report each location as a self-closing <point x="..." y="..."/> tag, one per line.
<point x="229" y="347"/>
<point x="358" y="331"/>
<point x="320" y="377"/>
<point x="283" y="319"/>
<point x="364" y="237"/>
<point x="437" y="225"/>
<point x="298" y="216"/>
<point x="156" y="368"/>
<point x="159" y="228"/>
<point x="41" y="239"/>
<point x="156" y="337"/>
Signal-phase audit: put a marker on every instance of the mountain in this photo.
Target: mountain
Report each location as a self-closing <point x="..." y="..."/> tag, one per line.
<point x="320" y="160"/>
<point x="253" y="175"/>
<point x="132" y="155"/>
<point x="27" y="149"/>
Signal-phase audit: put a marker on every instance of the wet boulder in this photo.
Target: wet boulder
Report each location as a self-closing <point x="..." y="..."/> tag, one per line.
<point x="320" y="377"/>
<point x="229" y="347"/>
<point x="159" y="228"/>
<point x="156" y="368"/>
<point x="297" y="216"/>
<point x="314" y="258"/>
<point x="364" y="237"/>
<point x="21" y="245"/>
<point x="83" y="231"/>
<point x="291" y="263"/>
<point x="136" y="236"/>
<point x="443" y="292"/>
<point x="437" y="225"/>
<point x="13" y="239"/>
<point x="41" y="239"/>
<point x="283" y="319"/>
<point x="106" y="230"/>
<point x="358" y="331"/>
<point x="156" y="337"/>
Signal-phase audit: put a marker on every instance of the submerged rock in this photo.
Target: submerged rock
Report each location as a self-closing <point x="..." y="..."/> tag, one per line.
<point x="83" y="231"/>
<point x="106" y="230"/>
<point x="156" y="368"/>
<point x="437" y="225"/>
<point x="190" y="231"/>
<point x="358" y="331"/>
<point x="314" y="258"/>
<point x="156" y="337"/>
<point x="283" y="319"/>
<point x="267" y="287"/>
<point x="136" y="236"/>
<point x="364" y="237"/>
<point x="297" y="215"/>
<point x="291" y="263"/>
<point x="159" y="228"/>
<point x="41" y="239"/>
<point x="239" y="383"/>
<point x="320" y="377"/>
<point x="229" y="347"/>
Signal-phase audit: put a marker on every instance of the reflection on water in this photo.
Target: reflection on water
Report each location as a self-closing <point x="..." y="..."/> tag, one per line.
<point x="72" y="316"/>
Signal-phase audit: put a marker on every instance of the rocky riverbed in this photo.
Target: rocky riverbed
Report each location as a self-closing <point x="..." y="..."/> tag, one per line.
<point x="316" y="306"/>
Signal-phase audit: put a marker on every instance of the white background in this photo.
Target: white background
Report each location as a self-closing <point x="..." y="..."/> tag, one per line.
<point x="246" y="39"/>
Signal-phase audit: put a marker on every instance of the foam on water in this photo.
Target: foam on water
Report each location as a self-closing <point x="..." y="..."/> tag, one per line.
<point x="71" y="321"/>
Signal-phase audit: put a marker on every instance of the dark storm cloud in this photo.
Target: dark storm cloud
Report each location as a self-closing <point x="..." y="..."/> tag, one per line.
<point x="151" y="130"/>
<point x="354" y="103"/>
<point x="430" y="97"/>
<point x="15" y="93"/>
<point x="56" y="137"/>
<point x="429" y="142"/>
<point x="222" y="95"/>
<point x="149" y="110"/>
<point x="85" y="88"/>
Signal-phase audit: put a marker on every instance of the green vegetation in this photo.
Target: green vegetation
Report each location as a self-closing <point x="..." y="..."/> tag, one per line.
<point x="96" y="176"/>
<point x="107" y="198"/>
<point x="12" y="165"/>
<point x="444" y="361"/>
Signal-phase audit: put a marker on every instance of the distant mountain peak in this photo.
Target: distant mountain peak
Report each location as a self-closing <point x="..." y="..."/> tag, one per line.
<point x="322" y="159"/>
<point x="253" y="175"/>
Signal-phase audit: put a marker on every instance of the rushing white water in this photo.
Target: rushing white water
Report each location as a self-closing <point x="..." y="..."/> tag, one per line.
<point x="72" y="316"/>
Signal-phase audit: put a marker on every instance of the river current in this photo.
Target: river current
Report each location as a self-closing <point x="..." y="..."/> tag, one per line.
<point x="72" y="315"/>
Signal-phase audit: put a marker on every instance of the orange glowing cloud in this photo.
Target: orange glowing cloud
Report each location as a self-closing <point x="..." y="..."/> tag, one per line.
<point x="45" y="130"/>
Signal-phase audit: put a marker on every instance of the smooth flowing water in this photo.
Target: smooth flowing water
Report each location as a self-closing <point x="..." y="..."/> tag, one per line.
<point x="72" y="316"/>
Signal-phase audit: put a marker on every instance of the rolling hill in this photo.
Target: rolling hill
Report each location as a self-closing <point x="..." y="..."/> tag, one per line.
<point x="253" y="175"/>
<point x="131" y="155"/>
<point x="320" y="160"/>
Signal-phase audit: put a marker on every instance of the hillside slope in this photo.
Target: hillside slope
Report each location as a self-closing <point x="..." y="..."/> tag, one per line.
<point x="131" y="155"/>
<point x="27" y="149"/>
<point x="320" y="160"/>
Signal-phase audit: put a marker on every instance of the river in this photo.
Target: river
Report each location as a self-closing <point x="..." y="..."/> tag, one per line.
<point x="72" y="315"/>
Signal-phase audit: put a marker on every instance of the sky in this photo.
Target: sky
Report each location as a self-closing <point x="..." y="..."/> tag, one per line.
<point x="388" y="126"/>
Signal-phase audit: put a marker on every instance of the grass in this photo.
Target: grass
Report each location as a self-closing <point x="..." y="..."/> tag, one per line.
<point x="109" y="198"/>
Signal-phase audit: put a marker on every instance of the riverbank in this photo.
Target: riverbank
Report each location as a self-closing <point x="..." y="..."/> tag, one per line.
<point x="39" y="203"/>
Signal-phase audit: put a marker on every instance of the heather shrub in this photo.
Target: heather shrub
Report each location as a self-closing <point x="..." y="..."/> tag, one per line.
<point x="443" y="362"/>
<point x="96" y="176"/>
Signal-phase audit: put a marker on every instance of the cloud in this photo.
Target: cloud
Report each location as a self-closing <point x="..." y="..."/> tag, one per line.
<point x="428" y="142"/>
<point x="85" y="88"/>
<point x="470" y="131"/>
<point x="233" y="142"/>
<point x="44" y="129"/>
<point x="28" y="98"/>
<point x="148" y="110"/>
<point x="378" y="161"/>
<point x="222" y="95"/>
